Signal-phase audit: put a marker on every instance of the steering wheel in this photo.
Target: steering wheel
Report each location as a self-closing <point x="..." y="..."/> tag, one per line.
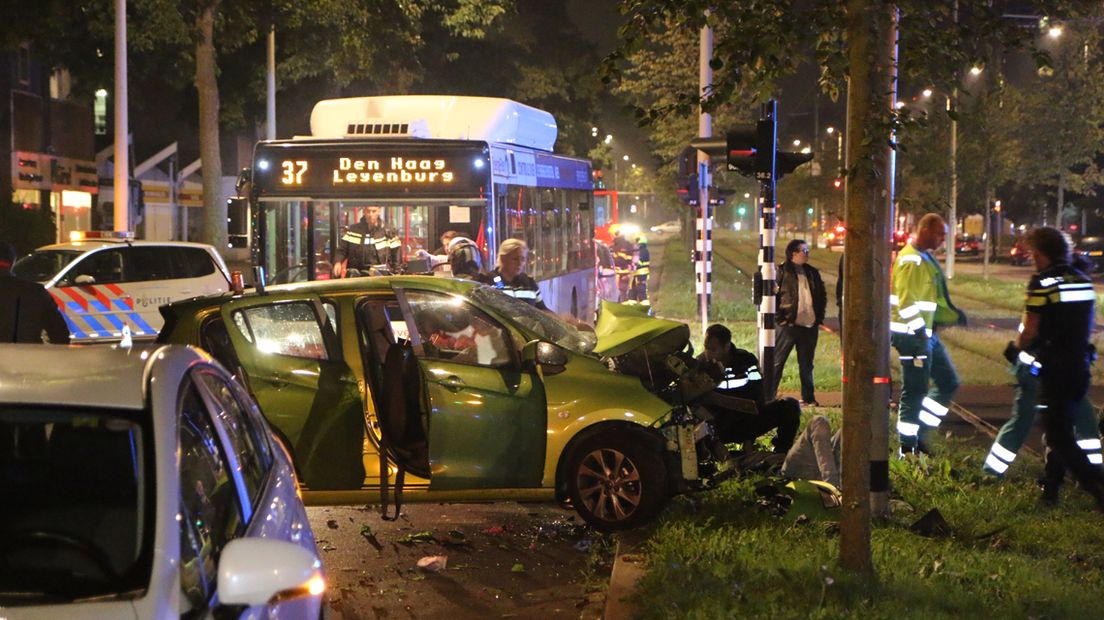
<point x="52" y="538"/>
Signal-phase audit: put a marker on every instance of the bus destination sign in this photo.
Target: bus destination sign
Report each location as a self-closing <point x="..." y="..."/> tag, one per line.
<point x="383" y="171"/>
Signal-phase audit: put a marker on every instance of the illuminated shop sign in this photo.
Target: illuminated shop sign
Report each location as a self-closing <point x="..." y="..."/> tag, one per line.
<point x="386" y="171"/>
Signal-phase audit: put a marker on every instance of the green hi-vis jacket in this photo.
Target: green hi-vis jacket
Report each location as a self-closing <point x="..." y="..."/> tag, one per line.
<point x="919" y="300"/>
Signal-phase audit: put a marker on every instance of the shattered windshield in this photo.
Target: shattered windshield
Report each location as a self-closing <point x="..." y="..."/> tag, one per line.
<point x="543" y="325"/>
<point x="74" y="522"/>
<point x="43" y="265"/>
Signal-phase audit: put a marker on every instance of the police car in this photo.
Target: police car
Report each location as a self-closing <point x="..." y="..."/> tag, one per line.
<point x="103" y="281"/>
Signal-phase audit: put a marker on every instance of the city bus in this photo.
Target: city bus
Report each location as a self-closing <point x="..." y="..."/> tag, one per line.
<point x="480" y="166"/>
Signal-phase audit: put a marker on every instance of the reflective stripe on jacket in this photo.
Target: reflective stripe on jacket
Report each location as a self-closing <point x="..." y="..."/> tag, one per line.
<point x="919" y="299"/>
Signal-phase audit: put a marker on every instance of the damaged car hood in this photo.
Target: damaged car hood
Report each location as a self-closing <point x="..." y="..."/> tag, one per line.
<point x="627" y="328"/>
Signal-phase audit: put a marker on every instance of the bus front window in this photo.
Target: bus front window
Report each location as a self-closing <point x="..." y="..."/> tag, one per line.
<point x="325" y="229"/>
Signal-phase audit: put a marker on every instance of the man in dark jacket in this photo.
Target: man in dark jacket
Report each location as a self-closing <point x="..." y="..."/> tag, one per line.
<point x="741" y="379"/>
<point x="801" y="303"/>
<point x="366" y="244"/>
<point x="27" y="312"/>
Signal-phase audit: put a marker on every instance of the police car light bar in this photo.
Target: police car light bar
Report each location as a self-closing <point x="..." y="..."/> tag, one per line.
<point x="84" y="235"/>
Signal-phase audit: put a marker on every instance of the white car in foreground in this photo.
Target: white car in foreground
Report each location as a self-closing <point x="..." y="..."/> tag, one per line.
<point x="144" y="483"/>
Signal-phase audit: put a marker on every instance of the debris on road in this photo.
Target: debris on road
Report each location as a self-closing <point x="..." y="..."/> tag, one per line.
<point x="433" y="563"/>
<point x="418" y="537"/>
<point x="370" y="536"/>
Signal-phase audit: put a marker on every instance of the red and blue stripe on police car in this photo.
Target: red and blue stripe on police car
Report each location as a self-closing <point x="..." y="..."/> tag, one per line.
<point x="86" y="308"/>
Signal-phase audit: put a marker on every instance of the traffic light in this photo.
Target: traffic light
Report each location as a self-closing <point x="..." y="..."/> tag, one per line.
<point x="837" y="183"/>
<point x="742" y="210"/>
<point x="752" y="150"/>
<point x="748" y="148"/>
<point x="809" y="210"/>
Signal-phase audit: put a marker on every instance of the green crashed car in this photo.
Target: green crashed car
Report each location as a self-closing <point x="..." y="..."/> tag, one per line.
<point x="437" y="389"/>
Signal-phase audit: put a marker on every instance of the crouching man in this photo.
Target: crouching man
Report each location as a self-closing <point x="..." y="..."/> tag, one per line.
<point x="741" y="380"/>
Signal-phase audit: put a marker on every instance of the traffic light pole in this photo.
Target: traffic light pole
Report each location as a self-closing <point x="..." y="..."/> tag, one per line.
<point x="767" y="220"/>
<point x="703" y="246"/>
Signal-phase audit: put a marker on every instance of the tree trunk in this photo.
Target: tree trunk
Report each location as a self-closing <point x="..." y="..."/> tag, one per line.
<point x="871" y="36"/>
<point x="206" y="81"/>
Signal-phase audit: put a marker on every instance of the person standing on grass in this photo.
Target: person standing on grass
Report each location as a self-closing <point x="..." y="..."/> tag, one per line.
<point x="800" y="312"/>
<point x="1057" y="324"/>
<point x="919" y="306"/>
<point x="1025" y="367"/>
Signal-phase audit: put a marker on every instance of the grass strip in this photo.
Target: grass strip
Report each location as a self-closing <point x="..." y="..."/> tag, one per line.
<point x="720" y="555"/>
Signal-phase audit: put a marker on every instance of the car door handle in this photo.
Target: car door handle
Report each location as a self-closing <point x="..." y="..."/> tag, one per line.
<point x="453" y="383"/>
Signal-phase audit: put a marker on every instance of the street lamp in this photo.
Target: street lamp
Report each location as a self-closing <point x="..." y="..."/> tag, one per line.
<point x="975" y="70"/>
<point x="609" y="138"/>
<point x="1054" y="32"/>
<point x="927" y="92"/>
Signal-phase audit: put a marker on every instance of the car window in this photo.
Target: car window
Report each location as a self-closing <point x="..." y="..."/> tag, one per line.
<point x="450" y="328"/>
<point x="543" y="325"/>
<point x="210" y="512"/>
<point x="192" y="262"/>
<point x="285" y="329"/>
<point x="248" y="442"/>
<point x="41" y="265"/>
<point x="103" y="267"/>
<point x="151" y="263"/>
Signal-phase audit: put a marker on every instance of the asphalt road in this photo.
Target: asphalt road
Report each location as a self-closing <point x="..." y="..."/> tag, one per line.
<point x="504" y="560"/>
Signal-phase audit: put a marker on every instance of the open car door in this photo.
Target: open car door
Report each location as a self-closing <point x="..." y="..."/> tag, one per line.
<point x="292" y="363"/>
<point x="487" y="419"/>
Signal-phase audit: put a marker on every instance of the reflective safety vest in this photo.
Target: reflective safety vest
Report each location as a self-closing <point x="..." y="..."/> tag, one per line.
<point x="919" y="299"/>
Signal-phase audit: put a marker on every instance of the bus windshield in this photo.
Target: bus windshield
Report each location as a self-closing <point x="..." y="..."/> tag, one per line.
<point x="543" y="325"/>
<point x="301" y="231"/>
<point x="43" y="265"/>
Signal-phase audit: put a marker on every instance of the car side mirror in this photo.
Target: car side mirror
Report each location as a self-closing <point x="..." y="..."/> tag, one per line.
<point x="551" y="358"/>
<point x="84" y="278"/>
<point x="257" y="571"/>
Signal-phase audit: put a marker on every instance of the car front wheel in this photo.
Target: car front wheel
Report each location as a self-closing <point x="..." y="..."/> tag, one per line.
<point x="616" y="481"/>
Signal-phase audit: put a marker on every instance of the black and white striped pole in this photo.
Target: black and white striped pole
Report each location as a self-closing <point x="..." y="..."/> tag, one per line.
<point x="765" y="173"/>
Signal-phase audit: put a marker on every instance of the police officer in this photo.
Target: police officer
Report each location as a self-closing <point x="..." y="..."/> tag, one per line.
<point x="639" y="291"/>
<point x="919" y="305"/>
<point x="1025" y="367"/>
<point x="510" y="277"/>
<point x="27" y="312"/>
<point x="366" y="244"/>
<point x="741" y="379"/>
<point x="1058" y="321"/>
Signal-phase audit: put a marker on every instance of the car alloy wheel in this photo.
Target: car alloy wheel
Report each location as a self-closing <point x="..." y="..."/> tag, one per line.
<point x="609" y="484"/>
<point x="616" y="478"/>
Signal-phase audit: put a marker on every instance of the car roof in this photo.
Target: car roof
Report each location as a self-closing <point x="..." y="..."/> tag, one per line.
<point x="95" y="244"/>
<point x="84" y="376"/>
<point x="325" y="287"/>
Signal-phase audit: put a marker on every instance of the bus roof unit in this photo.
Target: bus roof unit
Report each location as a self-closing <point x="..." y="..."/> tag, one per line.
<point x="490" y="119"/>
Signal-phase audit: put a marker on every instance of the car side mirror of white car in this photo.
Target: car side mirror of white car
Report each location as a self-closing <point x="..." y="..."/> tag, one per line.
<point x="84" y="278"/>
<point x="259" y="571"/>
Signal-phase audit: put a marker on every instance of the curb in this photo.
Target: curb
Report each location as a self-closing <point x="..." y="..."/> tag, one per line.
<point x="628" y="568"/>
